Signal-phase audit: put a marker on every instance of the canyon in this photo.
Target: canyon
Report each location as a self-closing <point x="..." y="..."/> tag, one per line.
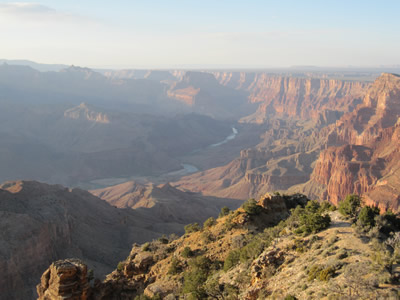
<point x="160" y="149"/>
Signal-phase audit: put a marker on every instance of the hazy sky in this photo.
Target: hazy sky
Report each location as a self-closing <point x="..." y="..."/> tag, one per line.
<point x="173" y="33"/>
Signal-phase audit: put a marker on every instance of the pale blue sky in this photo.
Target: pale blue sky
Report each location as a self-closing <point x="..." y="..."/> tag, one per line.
<point x="175" y="33"/>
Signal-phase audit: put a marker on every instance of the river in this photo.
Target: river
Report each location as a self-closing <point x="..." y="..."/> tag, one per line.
<point x="188" y="169"/>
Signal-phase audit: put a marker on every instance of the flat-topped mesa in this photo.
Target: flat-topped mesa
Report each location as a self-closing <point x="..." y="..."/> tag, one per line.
<point x="64" y="280"/>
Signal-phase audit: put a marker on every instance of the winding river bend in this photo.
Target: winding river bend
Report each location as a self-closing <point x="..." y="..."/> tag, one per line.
<point x="188" y="169"/>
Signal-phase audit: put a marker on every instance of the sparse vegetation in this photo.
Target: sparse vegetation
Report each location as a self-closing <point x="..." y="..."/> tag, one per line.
<point x="366" y="217"/>
<point x="251" y="207"/>
<point x="175" y="267"/>
<point x="187" y="252"/>
<point x="350" y="206"/>
<point x="209" y="222"/>
<point x="323" y="273"/>
<point x="224" y="212"/>
<point x="321" y="256"/>
<point x="310" y="219"/>
<point x="231" y="260"/>
<point x="120" y="266"/>
<point x="146" y="247"/>
<point x="194" y="279"/>
<point x="192" y="228"/>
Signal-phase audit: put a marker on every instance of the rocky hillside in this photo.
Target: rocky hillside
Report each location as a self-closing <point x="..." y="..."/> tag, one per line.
<point x="41" y="223"/>
<point x="313" y="253"/>
<point x="364" y="154"/>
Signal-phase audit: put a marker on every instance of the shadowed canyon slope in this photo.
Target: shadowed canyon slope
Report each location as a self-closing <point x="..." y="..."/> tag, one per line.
<point x="41" y="223"/>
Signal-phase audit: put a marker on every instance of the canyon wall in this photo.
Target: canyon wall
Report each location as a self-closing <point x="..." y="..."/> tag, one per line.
<point x="363" y="156"/>
<point x="293" y="97"/>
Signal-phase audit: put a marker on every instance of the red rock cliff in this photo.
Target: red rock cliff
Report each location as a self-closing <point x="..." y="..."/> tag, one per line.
<point x="364" y="155"/>
<point x="295" y="97"/>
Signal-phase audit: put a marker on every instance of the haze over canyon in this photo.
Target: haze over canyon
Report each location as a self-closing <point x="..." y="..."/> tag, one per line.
<point x="94" y="161"/>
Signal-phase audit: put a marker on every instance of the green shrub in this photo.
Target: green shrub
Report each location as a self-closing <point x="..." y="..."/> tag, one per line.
<point x="366" y="217"/>
<point x="224" y="212"/>
<point x="312" y="206"/>
<point x="350" y="205"/>
<point x="231" y="260"/>
<point x="327" y="206"/>
<point x="146" y="247"/>
<point x="321" y="273"/>
<point x="327" y="274"/>
<point x="252" y="249"/>
<point x="229" y="224"/>
<point x="175" y="267"/>
<point x="314" y="222"/>
<point x="251" y="207"/>
<point x="163" y="240"/>
<point x="290" y="297"/>
<point x="209" y="222"/>
<point x="194" y="279"/>
<point x="187" y="252"/>
<point x="192" y="228"/>
<point x="120" y="266"/>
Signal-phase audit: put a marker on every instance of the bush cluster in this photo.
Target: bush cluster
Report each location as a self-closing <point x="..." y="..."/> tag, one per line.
<point x="224" y="212"/>
<point x="194" y="279"/>
<point x="192" y="228"/>
<point x="187" y="252"/>
<point x="251" y="207"/>
<point x="209" y="222"/>
<point x="310" y="219"/>
<point x="323" y="273"/>
<point x="350" y="206"/>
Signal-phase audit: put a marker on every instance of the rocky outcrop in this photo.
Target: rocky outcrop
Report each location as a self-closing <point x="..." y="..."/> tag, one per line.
<point x="64" y="279"/>
<point x="84" y="112"/>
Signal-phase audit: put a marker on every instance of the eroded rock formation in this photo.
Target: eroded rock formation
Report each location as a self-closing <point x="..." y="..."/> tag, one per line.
<point x="64" y="279"/>
<point x="364" y="153"/>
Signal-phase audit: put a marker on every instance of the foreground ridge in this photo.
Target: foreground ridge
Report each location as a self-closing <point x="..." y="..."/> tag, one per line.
<point x="278" y="247"/>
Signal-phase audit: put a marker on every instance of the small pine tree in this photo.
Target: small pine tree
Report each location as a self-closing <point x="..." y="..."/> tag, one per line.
<point x="224" y="212"/>
<point x="350" y="205"/>
<point x="366" y="217"/>
<point x="251" y="207"/>
<point x="209" y="222"/>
